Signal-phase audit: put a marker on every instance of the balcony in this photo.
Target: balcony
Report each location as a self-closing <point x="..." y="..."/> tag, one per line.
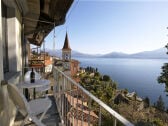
<point x="72" y="105"/>
<point x="78" y="107"/>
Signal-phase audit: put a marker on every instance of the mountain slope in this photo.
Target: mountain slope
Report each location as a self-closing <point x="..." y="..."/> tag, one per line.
<point x="58" y="53"/>
<point x="115" y="55"/>
<point x="159" y="53"/>
<point x="155" y="54"/>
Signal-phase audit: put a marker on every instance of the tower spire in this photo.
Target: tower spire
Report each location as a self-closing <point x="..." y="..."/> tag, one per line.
<point x="66" y="43"/>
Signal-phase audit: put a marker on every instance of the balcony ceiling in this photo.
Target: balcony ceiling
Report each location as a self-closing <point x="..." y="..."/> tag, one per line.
<point x="40" y="17"/>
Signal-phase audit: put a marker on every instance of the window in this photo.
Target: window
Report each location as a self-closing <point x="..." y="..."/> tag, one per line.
<point x="4" y="38"/>
<point x="66" y="56"/>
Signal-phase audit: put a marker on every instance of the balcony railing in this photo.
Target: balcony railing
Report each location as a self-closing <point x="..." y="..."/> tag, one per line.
<point x="78" y="107"/>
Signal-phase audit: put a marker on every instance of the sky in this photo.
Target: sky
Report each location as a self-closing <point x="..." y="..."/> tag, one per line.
<point x="104" y="26"/>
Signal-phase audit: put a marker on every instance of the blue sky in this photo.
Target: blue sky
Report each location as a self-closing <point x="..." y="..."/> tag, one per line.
<point x="99" y="26"/>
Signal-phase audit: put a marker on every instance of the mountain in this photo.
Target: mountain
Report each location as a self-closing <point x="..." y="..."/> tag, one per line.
<point x="155" y="54"/>
<point x="82" y="55"/>
<point x="58" y="53"/>
<point x="115" y="55"/>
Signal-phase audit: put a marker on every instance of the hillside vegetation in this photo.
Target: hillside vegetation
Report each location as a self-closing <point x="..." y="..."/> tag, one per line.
<point x="137" y="110"/>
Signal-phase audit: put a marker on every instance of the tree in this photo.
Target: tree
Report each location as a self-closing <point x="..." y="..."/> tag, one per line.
<point x="163" y="78"/>
<point x="96" y="69"/>
<point x="160" y="104"/>
<point x="97" y="74"/>
<point x="106" y="78"/>
<point x="167" y="110"/>
<point x="147" y="102"/>
<point x="114" y="85"/>
<point x="125" y="91"/>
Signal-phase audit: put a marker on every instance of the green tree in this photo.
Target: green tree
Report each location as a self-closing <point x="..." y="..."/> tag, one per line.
<point x="96" y="69"/>
<point x="158" y="122"/>
<point x="97" y="74"/>
<point x="147" y="102"/>
<point x="163" y="78"/>
<point x="106" y="78"/>
<point x="114" y="85"/>
<point x="167" y="110"/>
<point x="160" y="104"/>
<point x="125" y="92"/>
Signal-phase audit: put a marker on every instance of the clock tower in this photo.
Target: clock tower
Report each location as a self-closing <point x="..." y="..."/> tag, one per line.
<point x="66" y="53"/>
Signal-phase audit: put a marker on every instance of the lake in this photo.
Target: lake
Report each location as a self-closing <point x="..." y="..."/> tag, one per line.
<point x="138" y="75"/>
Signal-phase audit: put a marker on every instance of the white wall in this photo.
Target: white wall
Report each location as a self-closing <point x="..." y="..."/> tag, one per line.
<point x="1" y="67"/>
<point x="14" y="40"/>
<point x="48" y="68"/>
<point x="7" y="109"/>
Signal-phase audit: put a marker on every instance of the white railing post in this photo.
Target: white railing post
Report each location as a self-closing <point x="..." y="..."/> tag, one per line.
<point x="77" y="105"/>
<point x="99" y="115"/>
<point x="66" y="102"/>
<point x="82" y="109"/>
<point x="69" y="99"/>
<point x="89" y="106"/>
<point x="115" y="122"/>
<point x="62" y="99"/>
<point x="73" y="104"/>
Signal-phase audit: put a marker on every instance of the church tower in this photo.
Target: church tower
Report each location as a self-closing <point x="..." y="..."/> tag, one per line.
<point x="66" y="55"/>
<point x="66" y="50"/>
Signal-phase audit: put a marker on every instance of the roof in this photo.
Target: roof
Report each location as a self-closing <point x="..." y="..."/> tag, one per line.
<point x="66" y="43"/>
<point x="130" y="95"/>
<point x="42" y="16"/>
<point x="74" y="60"/>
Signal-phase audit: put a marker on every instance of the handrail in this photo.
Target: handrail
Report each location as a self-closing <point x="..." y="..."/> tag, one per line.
<point x="102" y="104"/>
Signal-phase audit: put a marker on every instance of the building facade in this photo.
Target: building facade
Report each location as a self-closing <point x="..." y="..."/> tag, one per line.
<point x="23" y="22"/>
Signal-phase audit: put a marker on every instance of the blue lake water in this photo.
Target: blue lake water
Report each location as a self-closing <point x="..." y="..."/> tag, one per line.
<point x="138" y="75"/>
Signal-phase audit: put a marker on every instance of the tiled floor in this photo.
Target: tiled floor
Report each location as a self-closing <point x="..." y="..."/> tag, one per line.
<point x="50" y="119"/>
<point x="52" y="116"/>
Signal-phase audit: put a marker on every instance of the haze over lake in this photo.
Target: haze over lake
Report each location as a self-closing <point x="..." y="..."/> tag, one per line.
<point x="138" y="75"/>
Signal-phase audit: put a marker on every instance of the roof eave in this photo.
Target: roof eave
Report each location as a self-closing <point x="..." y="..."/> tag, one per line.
<point x="42" y="16"/>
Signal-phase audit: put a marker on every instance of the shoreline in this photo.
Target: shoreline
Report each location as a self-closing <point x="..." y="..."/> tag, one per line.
<point x="133" y="81"/>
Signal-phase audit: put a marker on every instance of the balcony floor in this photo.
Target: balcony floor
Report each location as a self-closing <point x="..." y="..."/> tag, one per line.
<point x="51" y="118"/>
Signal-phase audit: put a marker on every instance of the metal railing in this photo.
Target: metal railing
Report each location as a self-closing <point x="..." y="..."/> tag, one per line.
<point x="78" y="107"/>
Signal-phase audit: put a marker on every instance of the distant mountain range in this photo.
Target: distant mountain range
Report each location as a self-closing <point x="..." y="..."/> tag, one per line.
<point x="58" y="53"/>
<point x="155" y="54"/>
